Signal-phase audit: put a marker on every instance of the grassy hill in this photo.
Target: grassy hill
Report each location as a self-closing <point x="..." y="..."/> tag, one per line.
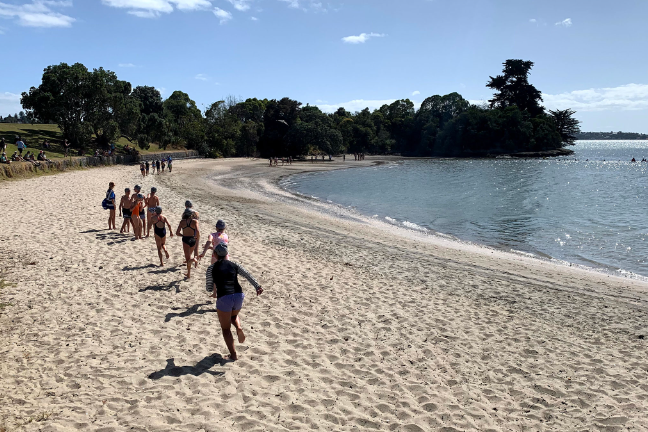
<point x="36" y="134"/>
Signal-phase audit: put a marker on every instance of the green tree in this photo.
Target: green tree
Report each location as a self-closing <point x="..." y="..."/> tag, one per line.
<point x="185" y="124"/>
<point x="62" y="98"/>
<point x="566" y="125"/>
<point x="223" y="130"/>
<point x="278" y="117"/>
<point x="513" y="88"/>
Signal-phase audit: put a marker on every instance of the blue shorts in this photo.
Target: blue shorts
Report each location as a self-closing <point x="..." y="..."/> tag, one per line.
<point x="230" y="302"/>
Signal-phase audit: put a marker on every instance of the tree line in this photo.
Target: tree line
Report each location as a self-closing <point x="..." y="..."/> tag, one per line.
<point x="95" y="107"/>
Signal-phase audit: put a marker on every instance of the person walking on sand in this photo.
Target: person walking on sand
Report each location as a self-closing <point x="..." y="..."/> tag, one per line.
<point x="110" y="205"/>
<point x="152" y="202"/>
<point x="157" y="166"/>
<point x="125" y="207"/>
<point x="189" y="230"/>
<point x="222" y="281"/>
<point x="159" y="230"/>
<point x="214" y="239"/>
<point x="142" y="169"/>
<point x="170" y="164"/>
<point x="148" y="167"/>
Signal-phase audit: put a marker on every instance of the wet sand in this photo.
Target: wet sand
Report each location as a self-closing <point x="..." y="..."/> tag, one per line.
<point x="362" y="326"/>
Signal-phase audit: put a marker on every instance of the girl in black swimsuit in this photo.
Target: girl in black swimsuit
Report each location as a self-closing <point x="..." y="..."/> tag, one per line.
<point x="188" y="229"/>
<point x="160" y="233"/>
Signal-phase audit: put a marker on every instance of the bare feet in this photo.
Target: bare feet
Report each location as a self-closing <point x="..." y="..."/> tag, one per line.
<point x="231" y="357"/>
<point x="241" y="335"/>
<point x="167" y="254"/>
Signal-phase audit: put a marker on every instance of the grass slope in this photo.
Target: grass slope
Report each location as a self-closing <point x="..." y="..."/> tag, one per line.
<point x="36" y="134"/>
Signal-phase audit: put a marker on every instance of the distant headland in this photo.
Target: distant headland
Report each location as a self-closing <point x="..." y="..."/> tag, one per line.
<point x="611" y="136"/>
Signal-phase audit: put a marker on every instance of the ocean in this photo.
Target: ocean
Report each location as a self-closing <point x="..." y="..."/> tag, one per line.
<point x="588" y="209"/>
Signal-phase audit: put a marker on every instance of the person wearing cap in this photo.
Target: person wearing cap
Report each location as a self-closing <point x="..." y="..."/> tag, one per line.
<point x="110" y="198"/>
<point x="222" y="282"/>
<point x="138" y="223"/>
<point x="214" y="239"/>
<point x="125" y="206"/>
<point x="189" y="230"/>
<point x="142" y="212"/>
<point x="159" y="230"/>
<point x="152" y="202"/>
<point x="3" y="159"/>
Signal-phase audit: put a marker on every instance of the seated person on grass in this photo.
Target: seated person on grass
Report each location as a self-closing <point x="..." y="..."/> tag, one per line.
<point x="3" y="158"/>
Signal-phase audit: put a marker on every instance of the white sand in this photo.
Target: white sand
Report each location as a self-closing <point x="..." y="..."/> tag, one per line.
<point x="359" y="328"/>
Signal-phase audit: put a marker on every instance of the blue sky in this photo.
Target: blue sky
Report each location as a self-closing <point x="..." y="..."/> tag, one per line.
<point x="589" y="54"/>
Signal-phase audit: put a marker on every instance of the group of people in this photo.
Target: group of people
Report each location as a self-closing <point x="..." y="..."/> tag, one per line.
<point x="141" y="211"/>
<point x="275" y="161"/>
<point x="161" y="164"/>
<point x="642" y="160"/>
<point x="28" y="157"/>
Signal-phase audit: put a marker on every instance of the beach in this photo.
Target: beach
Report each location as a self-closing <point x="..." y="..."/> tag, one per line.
<point x="362" y="325"/>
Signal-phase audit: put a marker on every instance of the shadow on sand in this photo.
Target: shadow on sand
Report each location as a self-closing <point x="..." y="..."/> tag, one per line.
<point x="163" y="287"/>
<point x="193" y="310"/>
<point x="203" y="366"/>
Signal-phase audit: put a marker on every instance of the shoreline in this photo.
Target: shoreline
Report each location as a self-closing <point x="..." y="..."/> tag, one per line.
<point x="430" y="234"/>
<point x="358" y="328"/>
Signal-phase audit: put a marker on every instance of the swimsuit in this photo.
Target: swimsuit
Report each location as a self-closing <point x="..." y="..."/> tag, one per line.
<point x="160" y="232"/>
<point x="189" y="240"/>
<point x="127" y="213"/>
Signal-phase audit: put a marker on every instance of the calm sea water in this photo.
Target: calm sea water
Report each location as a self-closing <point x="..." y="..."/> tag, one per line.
<point x="589" y="209"/>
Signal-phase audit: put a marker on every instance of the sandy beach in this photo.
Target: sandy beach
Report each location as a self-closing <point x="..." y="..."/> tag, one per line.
<point x="363" y="326"/>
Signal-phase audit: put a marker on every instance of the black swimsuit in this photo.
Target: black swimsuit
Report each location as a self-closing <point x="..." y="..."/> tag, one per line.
<point x="190" y="240"/>
<point x="160" y="232"/>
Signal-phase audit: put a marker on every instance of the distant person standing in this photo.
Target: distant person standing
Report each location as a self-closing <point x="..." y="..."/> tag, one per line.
<point x="21" y="146"/>
<point x="147" y="165"/>
<point x="163" y="165"/>
<point x="157" y="166"/>
<point x="110" y="205"/>
<point x="152" y="203"/>
<point x="3" y="144"/>
<point x="66" y="146"/>
<point x="170" y="164"/>
<point x="125" y="208"/>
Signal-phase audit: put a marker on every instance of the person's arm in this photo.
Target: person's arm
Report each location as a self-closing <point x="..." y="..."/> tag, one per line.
<point x="210" y="286"/>
<point x="121" y="204"/>
<point x="210" y="239"/>
<point x="169" y="225"/>
<point x="178" y="230"/>
<point x="243" y="272"/>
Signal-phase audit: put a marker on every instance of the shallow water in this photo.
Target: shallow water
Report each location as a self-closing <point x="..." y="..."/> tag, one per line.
<point x="588" y="209"/>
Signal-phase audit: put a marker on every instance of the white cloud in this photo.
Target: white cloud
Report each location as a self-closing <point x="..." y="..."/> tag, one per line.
<point x="416" y="93"/>
<point x="359" y="105"/>
<point x="38" y="13"/>
<point x="222" y="15"/>
<point x="240" y="5"/>
<point x="254" y="18"/>
<point x="361" y="38"/>
<point x="565" y="23"/>
<point x="126" y="65"/>
<point x="533" y="20"/>
<point x="306" y="5"/>
<point x="154" y="8"/>
<point x="627" y="97"/>
<point x="162" y="90"/>
<point x="9" y="103"/>
<point x="202" y="77"/>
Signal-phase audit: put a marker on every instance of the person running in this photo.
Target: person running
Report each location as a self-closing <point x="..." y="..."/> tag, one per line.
<point x="147" y="166"/>
<point x="110" y="205"/>
<point x="157" y="166"/>
<point x="152" y="202"/>
<point x="190" y="231"/>
<point x="222" y="281"/>
<point x="159" y="230"/>
<point x="170" y="163"/>
<point x="125" y="208"/>
<point x="214" y="240"/>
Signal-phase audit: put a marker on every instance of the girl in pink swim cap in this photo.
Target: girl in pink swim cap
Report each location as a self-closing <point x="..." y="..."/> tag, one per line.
<point x="215" y="239"/>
